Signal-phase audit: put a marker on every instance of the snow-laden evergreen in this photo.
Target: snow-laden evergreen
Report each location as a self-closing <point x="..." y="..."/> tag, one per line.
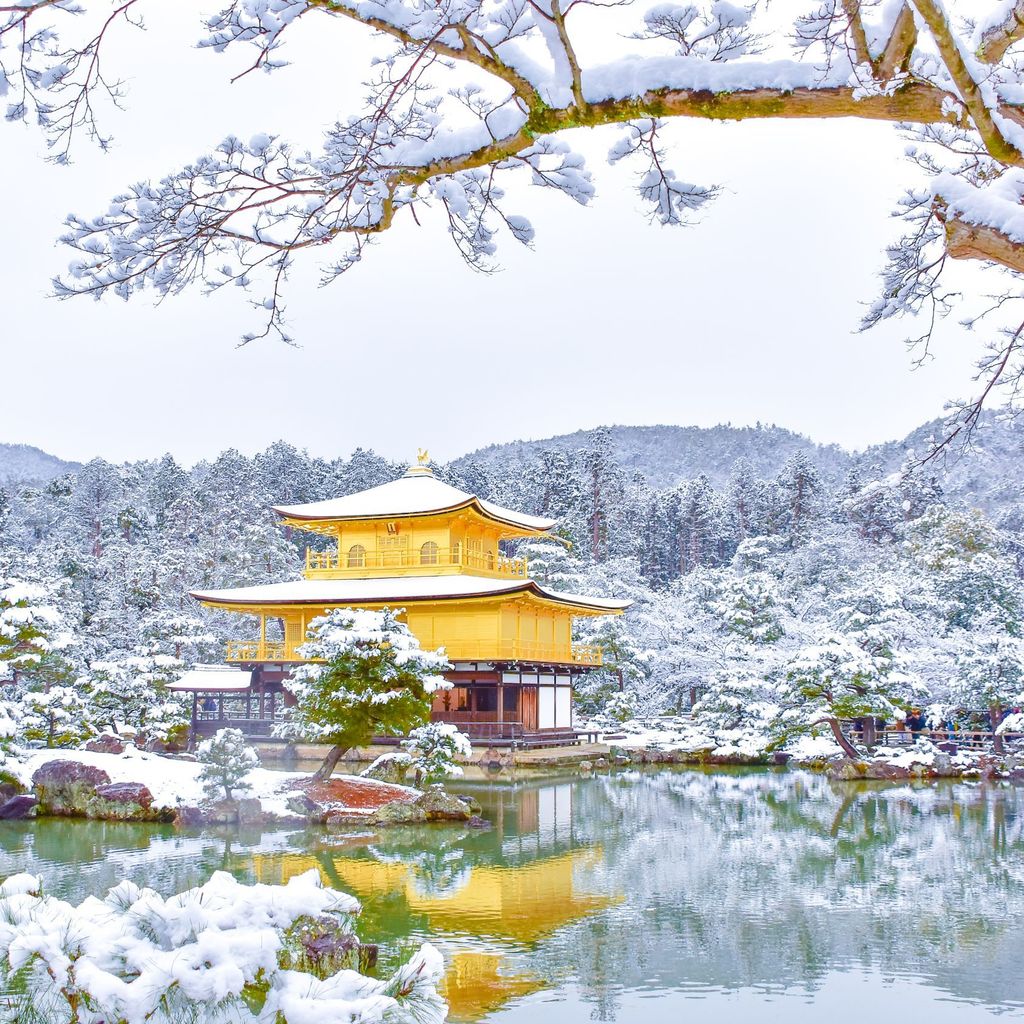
<point x="741" y="581"/>
<point x="216" y="954"/>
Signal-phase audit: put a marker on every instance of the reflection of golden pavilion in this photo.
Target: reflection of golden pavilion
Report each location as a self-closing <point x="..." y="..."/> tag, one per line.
<point x="519" y="903"/>
<point x="488" y="902"/>
<point x="474" y="986"/>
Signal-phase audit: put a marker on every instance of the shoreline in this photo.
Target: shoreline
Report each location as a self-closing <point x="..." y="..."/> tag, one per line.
<point x="136" y="786"/>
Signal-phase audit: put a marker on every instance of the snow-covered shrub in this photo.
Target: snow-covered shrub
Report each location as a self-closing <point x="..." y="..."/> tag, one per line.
<point x="132" y="694"/>
<point x="11" y="734"/>
<point x="620" y="707"/>
<point x="211" y="955"/>
<point x="58" y="717"/>
<point x="434" y="748"/>
<point x="226" y="760"/>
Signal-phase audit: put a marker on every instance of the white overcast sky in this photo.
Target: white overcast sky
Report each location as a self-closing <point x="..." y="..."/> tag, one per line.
<point x="749" y="316"/>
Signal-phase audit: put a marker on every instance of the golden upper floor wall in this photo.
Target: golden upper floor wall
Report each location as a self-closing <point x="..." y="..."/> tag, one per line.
<point x="428" y="545"/>
<point x="415" y="525"/>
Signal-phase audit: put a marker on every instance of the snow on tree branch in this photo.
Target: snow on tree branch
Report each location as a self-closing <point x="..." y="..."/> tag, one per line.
<point x="474" y="90"/>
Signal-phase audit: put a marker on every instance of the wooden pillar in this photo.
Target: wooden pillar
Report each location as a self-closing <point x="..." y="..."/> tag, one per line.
<point x="501" y="706"/>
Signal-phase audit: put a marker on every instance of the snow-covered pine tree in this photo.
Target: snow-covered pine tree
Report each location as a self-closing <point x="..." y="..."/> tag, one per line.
<point x="370" y="678"/>
<point x="226" y="759"/>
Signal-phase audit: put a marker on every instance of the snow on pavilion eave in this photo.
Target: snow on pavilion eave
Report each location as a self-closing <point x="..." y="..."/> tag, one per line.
<point x="413" y="495"/>
<point x="398" y="591"/>
<point x="201" y="678"/>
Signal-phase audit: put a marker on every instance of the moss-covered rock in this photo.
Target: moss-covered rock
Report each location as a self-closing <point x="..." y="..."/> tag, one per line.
<point x="66" y="789"/>
<point x="438" y="805"/>
<point x="125" y="801"/>
<point x="400" y="812"/>
<point x="391" y="767"/>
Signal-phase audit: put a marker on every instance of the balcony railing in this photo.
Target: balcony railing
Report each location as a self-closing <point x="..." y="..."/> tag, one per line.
<point x="254" y="650"/>
<point x="398" y="559"/>
<point x="457" y="650"/>
<point x="471" y="724"/>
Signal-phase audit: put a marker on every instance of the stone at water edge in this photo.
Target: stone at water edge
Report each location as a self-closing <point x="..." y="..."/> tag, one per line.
<point x="301" y="804"/>
<point x="438" y="805"/>
<point x="847" y="770"/>
<point x="343" y="816"/>
<point x="124" y="801"/>
<point x="250" y="811"/>
<point x="470" y="802"/>
<point x="585" y="767"/>
<point x="66" y="788"/>
<point x="399" y="812"/>
<point x="18" y="807"/>
<point x="189" y="817"/>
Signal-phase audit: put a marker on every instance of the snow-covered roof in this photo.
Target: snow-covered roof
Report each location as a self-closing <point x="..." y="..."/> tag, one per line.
<point x="213" y="677"/>
<point x="394" y="591"/>
<point x="418" y="493"/>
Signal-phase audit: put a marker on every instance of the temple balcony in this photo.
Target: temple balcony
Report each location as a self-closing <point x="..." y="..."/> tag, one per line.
<point x="589" y="655"/>
<point x="423" y="561"/>
<point x="250" y="651"/>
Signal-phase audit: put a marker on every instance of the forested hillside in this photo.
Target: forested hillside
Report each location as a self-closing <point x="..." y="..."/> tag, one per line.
<point x="735" y="579"/>
<point x="667" y="455"/>
<point x="21" y="463"/>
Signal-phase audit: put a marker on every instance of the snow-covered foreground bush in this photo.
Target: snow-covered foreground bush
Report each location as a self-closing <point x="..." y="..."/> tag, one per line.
<point x="209" y="955"/>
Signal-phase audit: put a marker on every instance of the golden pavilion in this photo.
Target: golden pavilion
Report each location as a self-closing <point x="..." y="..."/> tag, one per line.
<point x="436" y="553"/>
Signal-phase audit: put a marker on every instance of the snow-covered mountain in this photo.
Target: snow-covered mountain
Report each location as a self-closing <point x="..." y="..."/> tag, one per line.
<point x="667" y="455"/>
<point x="22" y="463"/>
<point x="989" y="475"/>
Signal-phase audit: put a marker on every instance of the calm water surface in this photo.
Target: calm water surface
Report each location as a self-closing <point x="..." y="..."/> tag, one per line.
<point x="734" y="898"/>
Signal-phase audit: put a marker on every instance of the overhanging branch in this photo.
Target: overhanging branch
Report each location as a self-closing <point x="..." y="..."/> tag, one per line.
<point x="998" y="39"/>
<point x="966" y="241"/>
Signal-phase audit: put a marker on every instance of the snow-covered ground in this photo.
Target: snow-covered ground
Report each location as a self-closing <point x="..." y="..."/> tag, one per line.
<point x="175" y="782"/>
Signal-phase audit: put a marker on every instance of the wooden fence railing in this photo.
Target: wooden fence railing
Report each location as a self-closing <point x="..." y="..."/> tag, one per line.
<point x="962" y="739"/>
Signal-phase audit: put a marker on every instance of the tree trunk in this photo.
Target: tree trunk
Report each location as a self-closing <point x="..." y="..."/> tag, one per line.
<point x="869" y="731"/>
<point x="334" y="755"/>
<point x="995" y="712"/>
<point x="848" y="748"/>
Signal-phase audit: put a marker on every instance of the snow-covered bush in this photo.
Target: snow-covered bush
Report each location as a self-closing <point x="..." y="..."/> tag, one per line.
<point x="434" y="749"/>
<point x="132" y="693"/>
<point x="212" y="955"/>
<point x="226" y="760"/>
<point x="58" y="717"/>
<point x="11" y="733"/>
<point x="620" y="707"/>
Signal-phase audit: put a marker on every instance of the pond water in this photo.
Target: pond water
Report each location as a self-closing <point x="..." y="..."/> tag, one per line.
<point x="754" y="896"/>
